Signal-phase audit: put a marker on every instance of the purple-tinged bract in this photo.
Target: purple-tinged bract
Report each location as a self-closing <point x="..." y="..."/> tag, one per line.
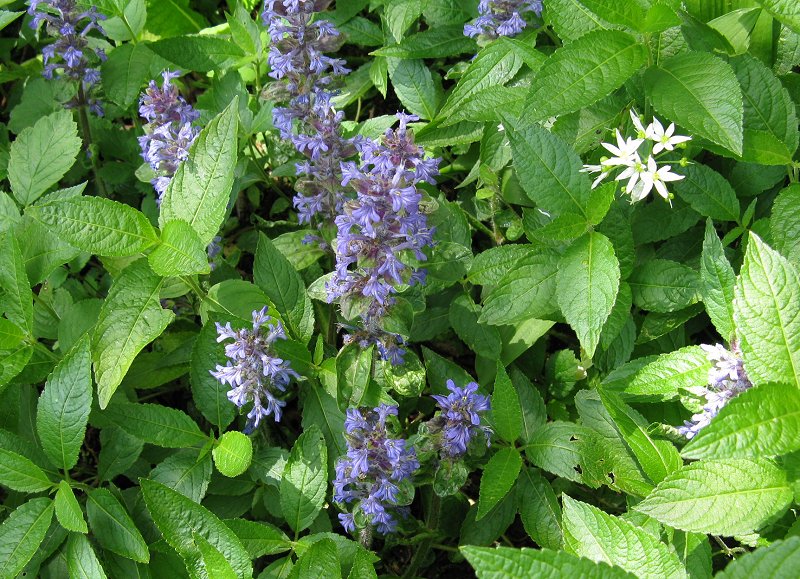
<point x="460" y="419"/>
<point x="374" y="465"/>
<point x="501" y="17"/>
<point x="255" y="373"/>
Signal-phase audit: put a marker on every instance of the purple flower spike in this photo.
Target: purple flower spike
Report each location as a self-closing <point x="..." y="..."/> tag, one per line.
<point x="254" y="373"/>
<point x="462" y="421"/>
<point x="374" y="465"/>
<point x="501" y="17"/>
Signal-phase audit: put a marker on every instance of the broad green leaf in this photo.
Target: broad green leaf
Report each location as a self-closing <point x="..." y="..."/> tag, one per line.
<point x="665" y="376"/>
<point x="721" y="497"/>
<point x="415" y="86"/>
<point x="17" y="299"/>
<point x="400" y="15"/>
<point x="548" y="168"/>
<point x="305" y="480"/>
<point x="179" y="251"/>
<point x="534" y="415"/>
<point x="118" y="451"/>
<point x="259" y="538"/>
<point x="717" y="282"/>
<point x="273" y="273"/>
<point x="556" y="448"/>
<point x="7" y="17"/>
<point x="708" y="192"/>
<point x="628" y="13"/>
<point x="321" y="409"/>
<point x="353" y="372"/>
<point x="662" y="285"/>
<point x="21" y="474"/>
<point x="214" y="563"/>
<point x="785" y="11"/>
<point x="201" y="53"/>
<point x="173" y="17"/>
<point x="64" y="406"/>
<point x="131" y="318"/>
<point x="785" y="223"/>
<point x="507" y="563"/>
<point x="22" y="533"/>
<point x="156" y="424"/>
<point x="187" y="472"/>
<point x="209" y="394"/>
<point x="126" y="71"/>
<point x="498" y="479"/>
<point x="113" y="527"/>
<point x="82" y="561"/>
<point x="233" y="454"/>
<point x="490" y="266"/>
<point x="780" y="559"/>
<point x="9" y="213"/>
<point x="68" y="511"/>
<point x="179" y="518"/>
<point x="584" y="71"/>
<point x="699" y="92"/>
<point x="539" y="509"/>
<point x="435" y="42"/>
<point x="11" y="335"/>
<point x="767" y="315"/>
<point x="481" y="338"/>
<point x="200" y="190"/>
<point x="41" y="155"/>
<point x="321" y="559"/>
<point x="588" y="282"/>
<point x="506" y="410"/>
<point x="589" y="532"/>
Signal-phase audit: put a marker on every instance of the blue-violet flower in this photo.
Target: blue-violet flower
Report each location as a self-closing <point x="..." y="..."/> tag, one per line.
<point x="374" y="464"/>
<point x="501" y="17"/>
<point x="460" y="420"/>
<point x="254" y="372"/>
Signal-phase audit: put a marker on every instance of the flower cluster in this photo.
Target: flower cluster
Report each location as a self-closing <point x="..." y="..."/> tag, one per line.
<point x="378" y="227"/>
<point x="169" y="131"/>
<point x="642" y="175"/>
<point x="297" y="60"/>
<point x="459" y="421"/>
<point x="254" y="372"/>
<point x="70" y="53"/>
<point x="374" y="465"/>
<point x="726" y="379"/>
<point x="501" y="17"/>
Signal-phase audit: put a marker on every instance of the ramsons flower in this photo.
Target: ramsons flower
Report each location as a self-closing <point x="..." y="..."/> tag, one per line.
<point x="726" y="380"/>
<point x="169" y="131"/>
<point x="379" y="228"/>
<point x="254" y="371"/>
<point x="70" y="56"/>
<point x="369" y="474"/>
<point x="305" y="77"/>
<point x="501" y="17"/>
<point x="460" y="421"/>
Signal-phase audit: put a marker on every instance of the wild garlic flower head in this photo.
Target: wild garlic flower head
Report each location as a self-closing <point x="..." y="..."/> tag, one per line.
<point x="501" y="17"/>
<point x="460" y="418"/>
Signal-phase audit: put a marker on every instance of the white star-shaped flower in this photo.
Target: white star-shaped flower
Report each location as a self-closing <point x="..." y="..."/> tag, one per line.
<point x="625" y="153"/>
<point x="641" y="132"/>
<point x="664" y="140"/>
<point x="633" y="173"/>
<point x="652" y="177"/>
<point x="604" y="172"/>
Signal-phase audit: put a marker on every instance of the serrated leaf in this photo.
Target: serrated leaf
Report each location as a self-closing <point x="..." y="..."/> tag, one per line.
<point x="481" y="338"/>
<point x="555" y="448"/>
<point x="125" y="71"/>
<point x="489" y="266"/>
<point x="21" y="474"/>
<point x="68" y="511"/>
<point x="665" y="376"/>
<point x="353" y="372"/>
<point x="22" y="533"/>
<point x="82" y="562"/>
<point x="209" y="394"/>
<point x="17" y="299"/>
<point x="777" y="560"/>
<point x="507" y="563"/>
<point x="717" y="283"/>
<point x="179" y="252"/>
<point x="113" y="527"/>
<point x="214" y="563"/>
<point x="321" y="559"/>
<point x="506" y="409"/>
<point x="305" y="479"/>
<point x="662" y="285"/>
<point x="156" y="424"/>
<point x="201" y="53"/>
<point x="259" y="538"/>
<point x="721" y="497"/>
<point x="498" y="479"/>
<point x="767" y="315"/>
<point x="187" y="472"/>
<point x="588" y="282"/>
<point x="584" y="71"/>
<point x="785" y="223"/>
<point x="785" y="11"/>
<point x="233" y="454"/>
<point x="42" y="155"/>
<point x="591" y="533"/>
<point x="699" y="92"/>
<point x="539" y="509"/>
<point x="625" y="12"/>
<point x="64" y="406"/>
<point x="415" y="86"/>
<point x="200" y="190"/>
<point x="708" y="192"/>
<point x="435" y="42"/>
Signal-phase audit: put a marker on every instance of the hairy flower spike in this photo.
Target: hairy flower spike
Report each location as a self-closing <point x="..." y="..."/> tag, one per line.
<point x="501" y="17"/>
<point x="254" y="372"/>
<point x="376" y="229"/>
<point x="460" y="420"/>
<point x="169" y="131"/>
<point x="71" y="55"/>
<point x="305" y="76"/>
<point x="374" y="464"/>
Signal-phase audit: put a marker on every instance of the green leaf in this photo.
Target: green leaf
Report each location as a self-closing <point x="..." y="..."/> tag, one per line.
<point x="126" y="71"/>
<point x="17" y="299"/>
<point x="785" y="223"/>
<point x="717" y="282"/>
<point x="556" y="448"/>
<point x="321" y="559"/>
<point x="68" y="511"/>
<point x="131" y="318"/>
<point x="321" y="409"/>
<point x="708" y="192"/>
<point x="179" y="519"/>
<point x="539" y="509"/>
<point x="482" y="339"/>
<point x="507" y="563"/>
<point x="209" y="394"/>
<point x="187" y="472"/>
<point x="588" y="282"/>
<point x="415" y="86"/>
<point x="490" y="266"/>
<point x="273" y="273"/>
<point x="22" y="533"/>
<point x="661" y="285"/>
<point x="699" y="92"/>
<point x="400" y="15"/>
<point x="721" y="497"/>
<point x="779" y="559"/>
<point x="199" y="53"/>
<point x="353" y="372"/>
<point x="21" y="474"/>
<point x="11" y="335"/>
<point x="156" y="424"/>
<point x="214" y="562"/>
<point x="200" y="190"/>
<point x="64" y="406"/>
<point x="233" y="454"/>
<point x="259" y="538"/>
<point x="497" y="479"/>
<point x="506" y="410"/>
<point x="173" y="17"/>
<point x="435" y="42"/>
<point x="591" y="533"/>
<point x="180" y="251"/>
<point x="625" y="12"/>
<point x="113" y="527"/>
<point x="96" y="225"/>
<point x="118" y="451"/>
<point x="42" y="155"/>
<point x="82" y="562"/>
<point x="584" y="71"/>
<point x="785" y="11"/>
<point x="305" y="480"/>
<point x="548" y="168"/>
<point x="664" y="376"/>
<point x="767" y="315"/>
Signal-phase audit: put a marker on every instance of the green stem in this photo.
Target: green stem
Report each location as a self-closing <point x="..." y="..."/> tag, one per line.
<point x="432" y="523"/>
<point x="195" y="287"/>
<point x="480" y="225"/>
<point x="86" y="131"/>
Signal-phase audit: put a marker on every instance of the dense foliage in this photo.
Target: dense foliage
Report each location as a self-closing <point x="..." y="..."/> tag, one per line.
<point x="416" y="288"/>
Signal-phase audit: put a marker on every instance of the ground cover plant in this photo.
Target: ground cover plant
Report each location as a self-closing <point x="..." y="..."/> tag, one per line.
<point x="399" y="288"/>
